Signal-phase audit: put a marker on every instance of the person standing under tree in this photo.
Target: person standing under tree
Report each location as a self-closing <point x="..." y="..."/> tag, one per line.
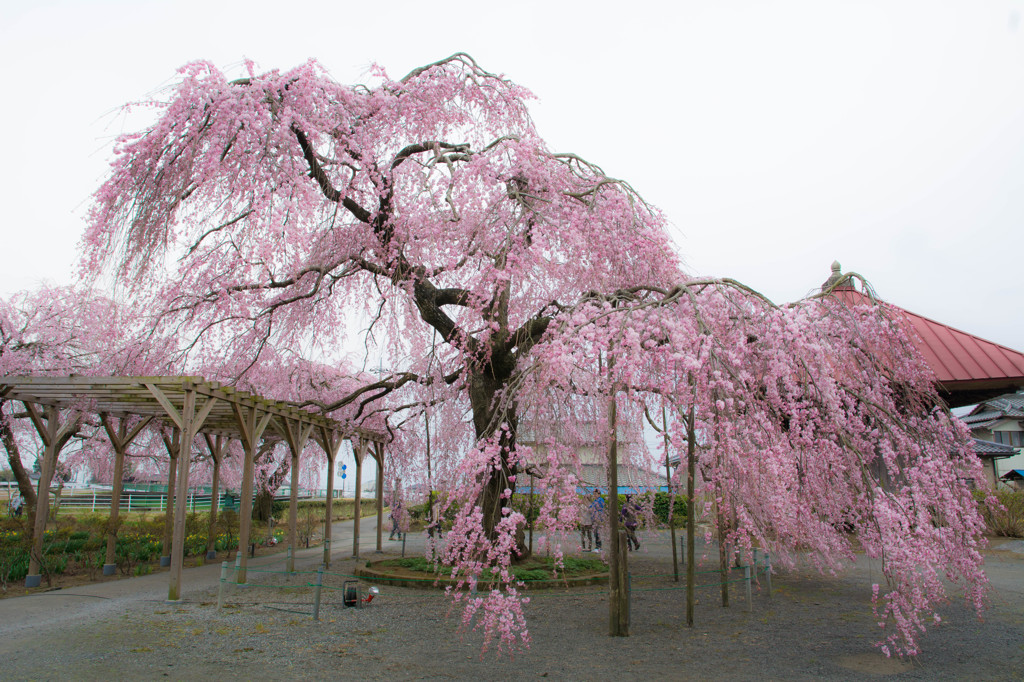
<point x="596" y="517"/>
<point x="395" y="514"/>
<point x="630" y="522"/>
<point x="16" y="504"/>
<point x="586" y="526"/>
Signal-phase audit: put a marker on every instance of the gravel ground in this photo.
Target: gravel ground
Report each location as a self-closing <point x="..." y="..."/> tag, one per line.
<point x="812" y="628"/>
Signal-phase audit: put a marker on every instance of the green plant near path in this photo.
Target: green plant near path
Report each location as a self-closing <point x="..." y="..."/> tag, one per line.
<point x="1007" y="521"/>
<point x="537" y="568"/>
<point x="661" y="507"/>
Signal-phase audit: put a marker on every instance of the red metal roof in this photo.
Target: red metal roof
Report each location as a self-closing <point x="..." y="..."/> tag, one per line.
<point x="961" y="361"/>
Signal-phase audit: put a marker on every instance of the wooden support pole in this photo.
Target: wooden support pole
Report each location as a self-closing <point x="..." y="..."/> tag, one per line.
<point x="216" y="445"/>
<point x="360" y="452"/>
<point x="251" y="425"/>
<point x="330" y="441"/>
<point x="120" y="437"/>
<point x="173" y="446"/>
<point x="245" y="512"/>
<point x="723" y="555"/>
<point x="618" y="599"/>
<point x="296" y="434"/>
<point x="193" y="416"/>
<point x="293" y="512"/>
<point x="116" y="436"/>
<point x="624" y="586"/>
<point x="181" y="495"/>
<point x="328" y="512"/>
<point x="671" y="497"/>
<point x="379" y="456"/>
<point x="691" y="522"/>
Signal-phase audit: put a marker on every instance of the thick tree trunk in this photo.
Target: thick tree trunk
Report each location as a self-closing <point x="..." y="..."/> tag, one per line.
<point x="28" y="493"/>
<point x="172" y="477"/>
<point x="263" y="507"/>
<point x="483" y="393"/>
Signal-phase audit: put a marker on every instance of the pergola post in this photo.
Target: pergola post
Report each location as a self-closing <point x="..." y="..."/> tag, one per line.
<point x="188" y="405"/>
<point x="378" y="454"/>
<point x="216" y="445"/>
<point x="173" y="446"/>
<point x="190" y="420"/>
<point x="251" y="425"/>
<point x="296" y="433"/>
<point x="360" y="453"/>
<point x="54" y="436"/>
<point x="120" y="437"/>
<point x="330" y="441"/>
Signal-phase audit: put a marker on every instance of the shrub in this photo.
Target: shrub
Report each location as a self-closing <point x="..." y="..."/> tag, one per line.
<point x="661" y="507"/>
<point x="1008" y="519"/>
<point x="13" y="564"/>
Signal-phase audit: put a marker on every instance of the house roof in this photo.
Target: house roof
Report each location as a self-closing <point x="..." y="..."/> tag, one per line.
<point x="1008" y="405"/>
<point x="984" y="448"/>
<point x="1013" y="475"/>
<point x="982" y="419"/>
<point x="967" y="368"/>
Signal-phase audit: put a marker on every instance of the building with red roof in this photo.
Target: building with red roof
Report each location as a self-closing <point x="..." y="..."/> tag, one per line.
<point x="968" y="369"/>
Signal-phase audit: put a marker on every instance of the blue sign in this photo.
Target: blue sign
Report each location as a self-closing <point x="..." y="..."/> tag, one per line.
<point x="343" y="475"/>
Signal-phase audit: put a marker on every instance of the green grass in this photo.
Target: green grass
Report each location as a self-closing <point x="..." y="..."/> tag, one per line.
<point x="542" y="568"/>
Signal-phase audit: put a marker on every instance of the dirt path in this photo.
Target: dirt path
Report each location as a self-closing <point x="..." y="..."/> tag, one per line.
<point x="812" y="628"/>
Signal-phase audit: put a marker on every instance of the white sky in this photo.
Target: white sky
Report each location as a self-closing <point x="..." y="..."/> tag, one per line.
<point x="777" y="136"/>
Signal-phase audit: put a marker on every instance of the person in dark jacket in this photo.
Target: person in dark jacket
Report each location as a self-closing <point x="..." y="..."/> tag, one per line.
<point x="628" y="517"/>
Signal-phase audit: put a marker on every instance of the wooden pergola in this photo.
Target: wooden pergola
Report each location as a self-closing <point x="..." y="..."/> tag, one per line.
<point x="186" y="406"/>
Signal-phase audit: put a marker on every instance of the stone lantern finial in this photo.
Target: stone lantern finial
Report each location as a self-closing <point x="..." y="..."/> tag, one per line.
<point x="836" y="276"/>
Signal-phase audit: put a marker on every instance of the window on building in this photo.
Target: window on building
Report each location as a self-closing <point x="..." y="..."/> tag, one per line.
<point x="1012" y="438"/>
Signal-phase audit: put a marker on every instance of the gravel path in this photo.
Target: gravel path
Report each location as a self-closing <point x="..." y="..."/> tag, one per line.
<point x="812" y="628"/>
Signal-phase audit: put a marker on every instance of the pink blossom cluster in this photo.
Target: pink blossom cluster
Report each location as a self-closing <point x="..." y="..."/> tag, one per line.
<point x="516" y="289"/>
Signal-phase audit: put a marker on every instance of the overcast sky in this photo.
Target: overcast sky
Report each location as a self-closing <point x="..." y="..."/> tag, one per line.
<point x="776" y="136"/>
